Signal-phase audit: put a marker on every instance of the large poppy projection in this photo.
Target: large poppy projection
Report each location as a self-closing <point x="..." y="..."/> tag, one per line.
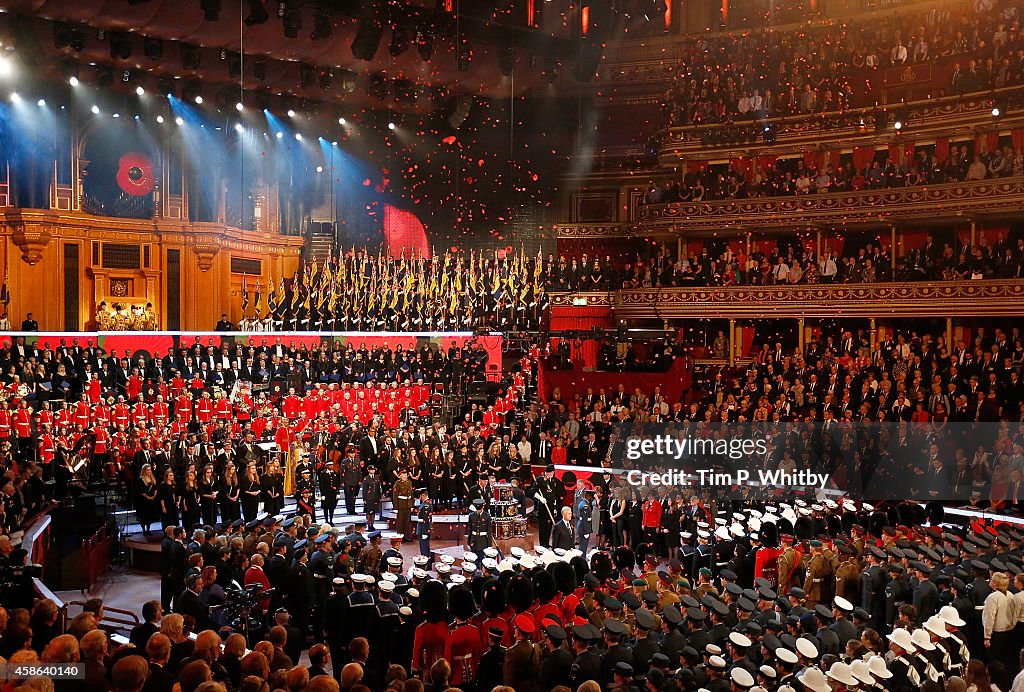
<point x="120" y="175"/>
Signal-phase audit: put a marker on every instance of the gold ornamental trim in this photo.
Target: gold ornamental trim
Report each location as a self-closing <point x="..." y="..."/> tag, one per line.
<point x="983" y="298"/>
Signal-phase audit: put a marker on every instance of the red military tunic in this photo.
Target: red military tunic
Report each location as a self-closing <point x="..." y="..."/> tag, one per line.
<point x="122" y="415"/>
<point x="258" y="425"/>
<point x="160" y="413"/>
<point x="102" y="444"/>
<point x="223" y="410"/>
<point x="47" y="448"/>
<point x="101" y="415"/>
<point x="5" y="423"/>
<point x="243" y="407"/>
<point x="134" y="387"/>
<point x="44" y="417"/>
<point x="140" y="415"/>
<point x="63" y="418"/>
<point x="82" y="414"/>
<point x="23" y="422"/>
<point x="463" y="650"/>
<point x="292" y="407"/>
<point x="183" y="408"/>
<point x="204" y="411"/>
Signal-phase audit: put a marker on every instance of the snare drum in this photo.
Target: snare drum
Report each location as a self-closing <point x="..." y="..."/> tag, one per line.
<point x="520" y="527"/>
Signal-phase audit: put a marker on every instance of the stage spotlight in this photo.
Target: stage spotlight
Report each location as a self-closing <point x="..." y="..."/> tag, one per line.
<point x="322" y="28"/>
<point x="120" y="46"/>
<point x="190" y="57"/>
<point x="367" y="39"/>
<point x="41" y="103"/>
<point x="73" y="80"/>
<point x="279" y="135"/>
<point x="165" y="86"/>
<point x="900" y="119"/>
<point x="298" y="137"/>
<point x="399" y="41"/>
<point x="257" y="13"/>
<point x="139" y="90"/>
<point x="319" y="169"/>
<point x="238" y="127"/>
<point x="211" y="9"/>
<point x="999" y="107"/>
<point x="15" y="98"/>
<point x="117" y="115"/>
<point x="153" y="48"/>
<point x="391" y="126"/>
<point x="95" y="110"/>
<point x="179" y="120"/>
<point x="291" y="113"/>
<point x="192" y="91"/>
<point x="290" y="12"/>
<point x="424" y="45"/>
<point x="239" y="107"/>
<point x="768" y="133"/>
<point x="341" y="121"/>
<point x="160" y="119"/>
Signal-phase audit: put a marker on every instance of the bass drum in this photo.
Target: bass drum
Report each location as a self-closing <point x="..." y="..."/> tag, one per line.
<point x="521" y="526"/>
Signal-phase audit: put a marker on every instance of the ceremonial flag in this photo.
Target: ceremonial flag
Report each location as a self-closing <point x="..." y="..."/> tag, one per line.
<point x="256" y="301"/>
<point x="5" y="294"/>
<point x="245" y="295"/>
<point x="272" y="299"/>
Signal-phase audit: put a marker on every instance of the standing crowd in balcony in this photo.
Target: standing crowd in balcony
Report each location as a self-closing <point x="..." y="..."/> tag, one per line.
<point x="820" y="70"/>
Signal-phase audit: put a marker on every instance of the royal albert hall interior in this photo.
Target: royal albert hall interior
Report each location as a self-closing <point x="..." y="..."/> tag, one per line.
<point x="511" y="345"/>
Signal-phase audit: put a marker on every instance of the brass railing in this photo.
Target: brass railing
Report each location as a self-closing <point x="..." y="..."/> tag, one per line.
<point x="888" y="205"/>
<point x="982" y="298"/>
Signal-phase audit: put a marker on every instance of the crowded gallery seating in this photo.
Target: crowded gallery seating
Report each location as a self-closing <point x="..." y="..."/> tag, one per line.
<point x="414" y="346"/>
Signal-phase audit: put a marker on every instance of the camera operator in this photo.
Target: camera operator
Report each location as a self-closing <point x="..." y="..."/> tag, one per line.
<point x="16" y="587"/>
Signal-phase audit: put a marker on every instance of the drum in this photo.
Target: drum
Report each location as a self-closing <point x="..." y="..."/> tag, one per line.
<point x="503" y="492"/>
<point x="504" y="509"/>
<point x="504" y="529"/>
<point x="520" y="527"/>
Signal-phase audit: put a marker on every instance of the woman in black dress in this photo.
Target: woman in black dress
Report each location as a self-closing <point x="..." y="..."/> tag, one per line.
<point x="435" y="475"/>
<point x="451" y="489"/>
<point x="229" y="494"/>
<point x="250" y="492"/>
<point x="671" y="524"/>
<point x="191" y="500"/>
<point x="634" y="514"/>
<point x="208" y="495"/>
<point x="169" y="499"/>
<point x="147" y="506"/>
<point x="272" y="486"/>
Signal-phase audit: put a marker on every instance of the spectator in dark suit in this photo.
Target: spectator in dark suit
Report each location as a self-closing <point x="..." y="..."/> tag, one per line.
<point x="29" y="324"/>
<point x="319" y="654"/>
<point x="158" y="651"/>
<point x="563" y="533"/>
<point x="189" y="603"/>
<point x="295" y="641"/>
<point x="152" y="611"/>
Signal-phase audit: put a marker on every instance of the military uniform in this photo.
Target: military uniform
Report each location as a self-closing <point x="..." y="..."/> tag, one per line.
<point x="402" y="497"/>
<point x="423" y="526"/>
<point x="552" y="490"/>
<point x="819" y="581"/>
<point x="787" y="564"/>
<point x="479" y="531"/>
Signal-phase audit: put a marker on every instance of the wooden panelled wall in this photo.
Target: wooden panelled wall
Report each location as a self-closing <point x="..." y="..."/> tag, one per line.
<point x="126" y="260"/>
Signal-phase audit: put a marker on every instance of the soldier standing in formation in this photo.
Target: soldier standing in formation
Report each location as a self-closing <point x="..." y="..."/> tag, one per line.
<point x="479" y="527"/>
<point x="371" y="495"/>
<point x="424" y="521"/>
<point x="402" y="498"/>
